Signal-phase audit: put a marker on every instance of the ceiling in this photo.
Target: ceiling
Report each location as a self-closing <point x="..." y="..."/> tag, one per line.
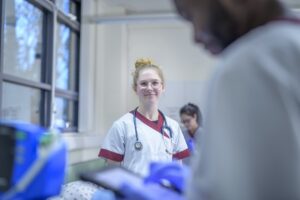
<point x="142" y="6"/>
<point x="150" y="6"/>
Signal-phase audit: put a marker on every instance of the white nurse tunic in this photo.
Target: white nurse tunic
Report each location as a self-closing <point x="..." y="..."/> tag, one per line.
<point x="120" y="140"/>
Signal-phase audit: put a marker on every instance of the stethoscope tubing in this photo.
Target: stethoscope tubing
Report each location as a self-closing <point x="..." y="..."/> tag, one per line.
<point x="138" y="145"/>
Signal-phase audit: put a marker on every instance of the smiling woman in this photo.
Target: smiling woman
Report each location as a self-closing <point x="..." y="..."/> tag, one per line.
<point x="148" y="85"/>
<point x="145" y="134"/>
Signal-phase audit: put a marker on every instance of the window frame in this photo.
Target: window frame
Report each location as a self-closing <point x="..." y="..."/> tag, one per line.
<point x="51" y="17"/>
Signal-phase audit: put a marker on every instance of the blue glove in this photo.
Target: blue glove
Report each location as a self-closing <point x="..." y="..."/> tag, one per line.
<point x="151" y="191"/>
<point x="173" y="172"/>
<point x="191" y="145"/>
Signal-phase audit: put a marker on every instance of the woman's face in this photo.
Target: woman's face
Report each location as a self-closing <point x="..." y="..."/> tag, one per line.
<point x="190" y="122"/>
<point x="149" y="87"/>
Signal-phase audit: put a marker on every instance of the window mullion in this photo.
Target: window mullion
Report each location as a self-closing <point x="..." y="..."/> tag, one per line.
<point x="2" y="14"/>
<point x="52" y="101"/>
<point x="48" y="34"/>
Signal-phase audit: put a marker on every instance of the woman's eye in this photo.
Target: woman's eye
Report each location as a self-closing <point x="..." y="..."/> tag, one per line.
<point x="143" y="84"/>
<point x="155" y="83"/>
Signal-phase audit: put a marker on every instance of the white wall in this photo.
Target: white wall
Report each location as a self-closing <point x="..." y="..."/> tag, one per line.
<point x="185" y="65"/>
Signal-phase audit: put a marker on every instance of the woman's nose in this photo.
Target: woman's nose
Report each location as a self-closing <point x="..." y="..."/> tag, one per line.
<point x="149" y="86"/>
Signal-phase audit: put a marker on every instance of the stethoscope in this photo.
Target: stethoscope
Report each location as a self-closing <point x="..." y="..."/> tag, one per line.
<point x="138" y="144"/>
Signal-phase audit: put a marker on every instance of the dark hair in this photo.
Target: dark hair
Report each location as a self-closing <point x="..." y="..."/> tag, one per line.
<point x="191" y="109"/>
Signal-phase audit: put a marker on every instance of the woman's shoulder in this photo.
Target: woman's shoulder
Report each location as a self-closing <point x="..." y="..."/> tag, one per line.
<point x="121" y="125"/>
<point x="125" y="119"/>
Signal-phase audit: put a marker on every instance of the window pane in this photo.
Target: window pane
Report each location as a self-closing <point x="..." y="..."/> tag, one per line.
<point x="63" y="5"/>
<point x="74" y="9"/>
<point x="65" y="113"/>
<point x="66" y="64"/>
<point x="68" y="7"/>
<point x="20" y="103"/>
<point x="22" y="40"/>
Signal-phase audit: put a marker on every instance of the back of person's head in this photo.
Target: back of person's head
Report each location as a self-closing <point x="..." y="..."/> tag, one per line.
<point x="224" y="21"/>
<point x="145" y="63"/>
<point x="192" y="110"/>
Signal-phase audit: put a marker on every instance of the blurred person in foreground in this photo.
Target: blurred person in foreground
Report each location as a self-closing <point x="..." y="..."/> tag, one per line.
<point x="251" y="147"/>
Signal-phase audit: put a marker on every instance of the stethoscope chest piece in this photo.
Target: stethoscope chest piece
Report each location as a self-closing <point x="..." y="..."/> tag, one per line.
<point x="138" y="145"/>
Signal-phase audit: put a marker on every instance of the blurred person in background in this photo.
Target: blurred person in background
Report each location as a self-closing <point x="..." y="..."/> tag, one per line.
<point x="191" y="118"/>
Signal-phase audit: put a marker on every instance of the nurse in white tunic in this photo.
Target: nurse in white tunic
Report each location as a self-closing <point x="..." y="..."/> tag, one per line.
<point x="145" y="134"/>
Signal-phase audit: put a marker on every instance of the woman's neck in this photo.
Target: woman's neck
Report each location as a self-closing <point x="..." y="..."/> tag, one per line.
<point x="150" y="113"/>
<point x="193" y="131"/>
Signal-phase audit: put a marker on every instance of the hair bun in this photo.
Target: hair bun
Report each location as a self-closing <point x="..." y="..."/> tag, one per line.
<point x="142" y="62"/>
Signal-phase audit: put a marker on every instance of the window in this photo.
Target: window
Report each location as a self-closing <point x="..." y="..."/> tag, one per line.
<point x="39" y="62"/>
<point x="66" y="70"/>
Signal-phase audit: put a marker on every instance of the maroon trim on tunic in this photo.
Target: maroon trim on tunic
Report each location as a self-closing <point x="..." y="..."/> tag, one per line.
<point x="156" y="125"/>
<point x="182" y="154"/>
<point x="110" y="155"/>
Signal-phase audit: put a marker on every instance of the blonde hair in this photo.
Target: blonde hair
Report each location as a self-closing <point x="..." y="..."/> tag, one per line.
<point x="145" y="63"/>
